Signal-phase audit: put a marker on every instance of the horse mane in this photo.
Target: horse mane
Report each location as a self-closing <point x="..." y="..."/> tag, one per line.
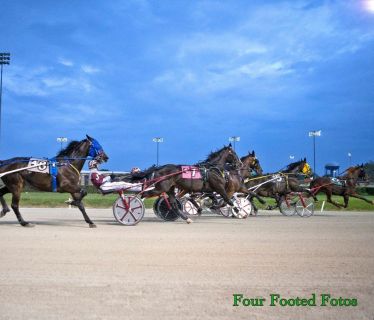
<point x="211" y="155"/>
<point x="145" y="173"/>
<point x="293" y="165"/>
<point x="69" y="149"/>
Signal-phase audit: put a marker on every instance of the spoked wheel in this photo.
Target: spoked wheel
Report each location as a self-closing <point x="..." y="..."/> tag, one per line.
<point x="244" y="208"/>
<point x="305" y="208"/>
<point x="226" y="211"/>
<point x="164" y="211"/>
<point x="128" y="210"/>
<point x="189" y="207"/>
<point x="288" y="205"/>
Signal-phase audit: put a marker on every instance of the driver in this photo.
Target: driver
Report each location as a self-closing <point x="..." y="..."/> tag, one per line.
<point x="104" y="183"/>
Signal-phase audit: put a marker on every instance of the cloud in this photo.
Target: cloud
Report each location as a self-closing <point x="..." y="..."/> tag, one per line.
<point x="89" y="69"/>
<point x="65" y="62"/>
<point x="42" y="81"/>
<point x="268" y="42"/>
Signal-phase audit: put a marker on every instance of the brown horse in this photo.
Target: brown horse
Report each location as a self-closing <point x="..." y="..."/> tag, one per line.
<point x="344" y="186"/>
<point x="234" y="181"/>
<point x="213" y="178"/>
<point x="286" y="183"/>
<point x="69" y="161"/>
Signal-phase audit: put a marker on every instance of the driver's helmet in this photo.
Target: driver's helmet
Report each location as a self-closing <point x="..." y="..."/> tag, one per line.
<point x="93" y="164"/>
<point x="135" y="170"/>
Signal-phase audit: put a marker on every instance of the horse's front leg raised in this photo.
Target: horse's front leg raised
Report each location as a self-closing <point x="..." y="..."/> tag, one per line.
<point x="77" y="201"/>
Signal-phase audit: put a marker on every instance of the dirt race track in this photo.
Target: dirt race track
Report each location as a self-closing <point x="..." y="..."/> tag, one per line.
<point x="61" y="269"/>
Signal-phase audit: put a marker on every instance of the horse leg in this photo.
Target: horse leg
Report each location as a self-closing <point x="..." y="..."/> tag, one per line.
<point x="5" y="209"/>
<point x="16" y="196"/>
<point x="175" y="207"/>
<point x="194" y="202"/>
<point x="77" y="201"/>
<point x="355" y="195"/>
<point x="346" y="200"/>
<point x="222" y="192"/>
<point x="329" y="199"/>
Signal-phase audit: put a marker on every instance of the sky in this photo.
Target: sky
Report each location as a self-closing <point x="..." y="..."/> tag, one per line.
<point x="192" y="72"/>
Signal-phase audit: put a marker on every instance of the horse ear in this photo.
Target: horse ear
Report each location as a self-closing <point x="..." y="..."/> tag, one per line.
<point x="88" y="137"/>
<point x="304" y="159"/>
<point x="230" y="145"/>
<point x="253" y="153"/>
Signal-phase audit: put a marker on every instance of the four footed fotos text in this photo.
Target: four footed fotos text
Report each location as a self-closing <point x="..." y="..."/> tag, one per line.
<point x="277" y="300"/>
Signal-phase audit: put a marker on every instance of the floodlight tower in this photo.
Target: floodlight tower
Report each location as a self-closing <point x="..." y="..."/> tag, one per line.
<point x="234" y="139"/>
<point x="62" y="140"/>
<point x="314" y="134"/>
<point x="158" y="140"/>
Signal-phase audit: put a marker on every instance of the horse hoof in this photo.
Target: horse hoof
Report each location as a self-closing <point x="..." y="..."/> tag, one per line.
<point x="4" y="212"/>
<point x="189" y="220"/>
<point x="28" y="225"/>
<point x="92" y="225"/>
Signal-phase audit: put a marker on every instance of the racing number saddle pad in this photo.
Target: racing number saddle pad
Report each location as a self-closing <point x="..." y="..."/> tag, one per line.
<point x="191" y="172"/>
<point x="40" y="165"/>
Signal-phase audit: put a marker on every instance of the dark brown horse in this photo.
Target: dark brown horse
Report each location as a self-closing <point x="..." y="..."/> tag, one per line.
<point x="69" y="161"/>
<point x="234" y="181"/>
<point x="277" y="189"/>
<point x="213" y="178"/>
<point x="344" y="186"/>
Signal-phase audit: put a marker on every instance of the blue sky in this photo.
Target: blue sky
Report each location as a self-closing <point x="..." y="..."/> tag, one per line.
<point x="192" y="72"/>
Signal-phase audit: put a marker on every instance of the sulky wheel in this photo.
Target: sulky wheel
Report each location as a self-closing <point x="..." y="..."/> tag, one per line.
<point x="305" y="207"/>
<point x="128" y="210"/>
<point x="288" y="205"/>
<point x="164" y="211"/>
<point x="244" y="208"/>
<point x="226" y="211"/>
<point x="189" y="207"/>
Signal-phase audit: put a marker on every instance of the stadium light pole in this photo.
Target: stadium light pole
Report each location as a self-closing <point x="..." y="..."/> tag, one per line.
<point x="234" y="139"/>
<point x="350" y="159"/>
<point x="158" y="140"/>
<point x="314" y="134"/>
<point x="61" y="140"/>
<point x="4" y="59"/>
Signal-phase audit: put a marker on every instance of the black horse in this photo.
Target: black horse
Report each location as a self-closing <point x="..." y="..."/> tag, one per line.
<point x="288" y="182"/>
<point x="344" y="186"/>
<point x="69" y="161"/>
<point x="212" y="178"/>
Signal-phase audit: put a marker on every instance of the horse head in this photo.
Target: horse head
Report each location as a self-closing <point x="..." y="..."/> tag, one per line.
<point x="95" y="150"/>
<point x="231" y="157"/>
<point x="306" y="169"/>
<point x="359" y="173"/>
<point x="301" y="166"/>
<point x="251" y="163"/>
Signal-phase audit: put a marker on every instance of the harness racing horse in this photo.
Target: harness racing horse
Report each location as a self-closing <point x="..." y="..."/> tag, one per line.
<point x="287" y="183"/>
<point x="235" y="181"/>
<point x="70" y="162"/>
<point x="212" y="178"/>
<point x="344" y="186"/>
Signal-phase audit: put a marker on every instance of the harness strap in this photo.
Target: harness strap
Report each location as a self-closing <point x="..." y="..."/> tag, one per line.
<point x="76" y="170"/>
<point x="53" y="171"/>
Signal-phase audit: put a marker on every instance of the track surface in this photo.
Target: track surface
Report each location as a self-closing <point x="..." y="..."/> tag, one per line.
<point x="61" y="269"/>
